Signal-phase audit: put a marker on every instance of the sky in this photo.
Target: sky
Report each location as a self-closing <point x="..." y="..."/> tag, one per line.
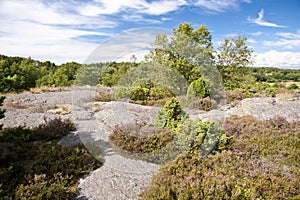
<point x="80" y="30"/>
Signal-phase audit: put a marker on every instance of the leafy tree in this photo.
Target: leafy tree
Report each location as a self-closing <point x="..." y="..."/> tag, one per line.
<point x="89" y="74"/>
<point x="232" y="58"/>
<point x="234" y="52"/>
<point x="186" y="50"/>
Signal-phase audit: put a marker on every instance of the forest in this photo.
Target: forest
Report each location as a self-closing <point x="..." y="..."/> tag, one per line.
<point x="243" y="158"/>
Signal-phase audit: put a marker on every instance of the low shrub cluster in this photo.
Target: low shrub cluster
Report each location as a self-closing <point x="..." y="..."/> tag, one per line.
<point x="261" y="161"/>
<point x="52" y="129"/>
<point x="33" y="166"/>
<point x="173" y="134"/>
<point x="142" y="91"/>
<point x="203" y="103"/>
<point x="138" y="143"/>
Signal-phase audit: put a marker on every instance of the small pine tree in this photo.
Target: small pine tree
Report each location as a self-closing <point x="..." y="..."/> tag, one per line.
<point x="198" y="88"/>
<point x="170" y="115"/>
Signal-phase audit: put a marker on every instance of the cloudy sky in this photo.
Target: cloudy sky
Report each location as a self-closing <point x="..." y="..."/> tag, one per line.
<point x="73" y="30"/>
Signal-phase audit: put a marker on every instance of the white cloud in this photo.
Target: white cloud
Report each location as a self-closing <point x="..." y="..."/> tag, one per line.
<point x="283" y="43"/>
<point x="166" y="18"/>
<point x="139" y="18"/>
<point x="289" y="35"/>
<point x="44" y="42"/>
<point x="212" y="6"/>
<point x="31" y="28"/>
<point x="36" y="11"/>
<point x="261" y="22"/>
<point x="277" y="59"/>
<point x="108" y="7"/>
<point x="123" y="45"/>
<point x="287" y="40"/>
<point x="160" y="7"/>
<point x="251" y="41"/>
<point x="258" y="33"/>
<point x="215" y="5"/>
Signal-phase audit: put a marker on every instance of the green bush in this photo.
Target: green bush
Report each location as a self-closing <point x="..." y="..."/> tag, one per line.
<point x="271" y="91"/>
<point x="293" y="86"/>
<point x="190" y="134"/>
<point x="144" y="83"/>
<point x="33" y="166"/>
<point x="198" y="88"/>
<point x="142" y="91"/>
<point x="16" y="135"/>
<point x="261" y="161"/>
<point x="159" y="92"/>
<point x="53" y="129"/>
<point x="170" y="115"/>
<point x="140" y="94"/>
<point x="138" y="143"/>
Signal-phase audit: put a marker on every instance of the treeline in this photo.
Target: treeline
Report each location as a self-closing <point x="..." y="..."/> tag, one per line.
<point x="271" y="75"/>
<point x="18" y="74"/>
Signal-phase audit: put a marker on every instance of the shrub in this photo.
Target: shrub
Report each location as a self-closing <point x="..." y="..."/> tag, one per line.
<point x="122" y="93"/>
<point x="203" y="103"/>
<point x="138" y="143"/>
<point x="142" y="91"/>
<point x="293" y="86"/>
<point x="259" y="162"/>
<point x="60" y="168"/>
<point x="144" y="83"/>
<point x="198" y="88"/>
<point x="140" y="94"/>
<point x="16" y="135"/>
<point x="170" y="115"/>
<point x="159" y="92"/>
<point x="190" y="134"/>
<point x="53" y="129"/>
<point x="271" y="91"/>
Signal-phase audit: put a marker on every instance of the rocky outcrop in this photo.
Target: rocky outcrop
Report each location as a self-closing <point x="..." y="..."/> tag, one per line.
<point x="120" y="177"/>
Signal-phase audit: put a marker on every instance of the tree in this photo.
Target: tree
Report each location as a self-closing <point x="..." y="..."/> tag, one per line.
<point x="234" y="52"/>
<point x="187" y="50"/>
<point x="232" y="57"/>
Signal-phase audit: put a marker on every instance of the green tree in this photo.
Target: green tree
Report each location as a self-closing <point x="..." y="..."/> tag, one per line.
<point x="232" y="57"/>
<point x="187" y="50"/>
<point x="234" y="52"/>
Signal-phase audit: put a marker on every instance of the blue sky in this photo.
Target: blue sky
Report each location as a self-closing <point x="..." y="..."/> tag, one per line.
<point x="70" y="30"/>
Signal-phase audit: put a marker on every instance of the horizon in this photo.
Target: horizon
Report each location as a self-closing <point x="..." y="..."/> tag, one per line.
<point x="67" y="31"/>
